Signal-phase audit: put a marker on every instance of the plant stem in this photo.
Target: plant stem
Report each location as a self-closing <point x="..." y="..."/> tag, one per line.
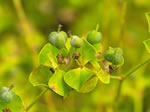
<point x="118" y="90"/>
<point x="127" y="75"/>
<point x="59" y="27"/>
<point x="97" y="27"/>
<point x="116" y="77"/>
<point x="11" y="87"/>
<point x="36" y="99"/>
<point x="136" y="68"/>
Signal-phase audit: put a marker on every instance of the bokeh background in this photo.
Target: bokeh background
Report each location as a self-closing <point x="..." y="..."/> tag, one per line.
<point x="24" y="29"/>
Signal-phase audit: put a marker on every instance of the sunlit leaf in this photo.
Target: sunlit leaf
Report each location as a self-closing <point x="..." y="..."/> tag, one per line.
<point x="76" y="79"/>
<point x="14" y="104"/>
<point x="68" y="45"/>
<point x="95" y="64"/>
<point x="2" y="105"/>
<point x="40" y="76"/>
<point x="103" y="76"/>
<point x="87" y="52"/>
<point x="89" y="85"/>
<point x="63" y="51"/>
<point x="147" y="45"/>
<point x="98" y="47"/>
<point x="47" y="55"/>
<point x="57" y="84"/>
<point x="148" y="19"/>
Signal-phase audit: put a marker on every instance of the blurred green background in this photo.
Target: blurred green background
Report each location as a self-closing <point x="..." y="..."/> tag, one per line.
<point x="24" y="29"/>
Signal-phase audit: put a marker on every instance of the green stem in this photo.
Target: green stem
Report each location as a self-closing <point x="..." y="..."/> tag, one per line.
<point x="70" y="35"/>
<point x="59" y="27"/>
<point x="118" y="90"/>
<point x="36" y="99"/>
<point x="136" y="68"/>
<point x="97" y="27"/>
<point x="116" y="77"/>
<point x="11" y="87"/>
<point x="127" y="75"/>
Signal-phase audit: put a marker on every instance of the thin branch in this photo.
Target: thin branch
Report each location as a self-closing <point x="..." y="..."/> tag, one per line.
<point x="127" y="75"/>
<point x="118" y="90"/>
<point x="116" y="77"/>
<point x="36" y="99"/>
<point x="136" y="68"/>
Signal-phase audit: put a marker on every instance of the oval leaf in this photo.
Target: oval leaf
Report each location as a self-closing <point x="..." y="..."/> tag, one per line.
<point x="95" y="64"/>
<point x="97" y="47"/>
<point x="103" y="76"/>
<point x="57" y="84"/>
<point x="40" y="76"/>
<point x="89" y="85"/>
<point x="47" y="55"/>
<point x="87" y="52"/>
<point x="148" y="19"/>
<point x="76" y="78"/>
<point x="147" y="45"/>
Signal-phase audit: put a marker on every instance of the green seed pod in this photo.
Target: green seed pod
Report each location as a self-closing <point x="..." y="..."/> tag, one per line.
<point x="118" y="51"/>
<point x="60" y="40"/>
<point x="6" y="95"/>
<point x="94" y="37"/>
<point x="114" y="56"/>
<point x="52" y="37"/>
<point x="116" y="59"/>
<point x="76" y="42"/>
<point x="64" y="34"/>
<point x="109" y="55"/>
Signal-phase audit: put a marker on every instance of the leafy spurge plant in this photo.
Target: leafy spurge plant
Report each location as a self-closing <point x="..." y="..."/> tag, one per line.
<point x="76" y="64"/>
<point x="71" y="63"/>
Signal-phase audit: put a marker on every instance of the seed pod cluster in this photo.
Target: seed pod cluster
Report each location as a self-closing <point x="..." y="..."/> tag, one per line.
<point x="114" y="55"/>
<point x="59" y="38"/>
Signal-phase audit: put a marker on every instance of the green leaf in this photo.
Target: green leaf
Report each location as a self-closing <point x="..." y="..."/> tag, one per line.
<point x="14" y="104"/>
<point x="63" y="51"/>
<point x="47" y="56"/>
<point x="40" y="76"/>
<point x="76" y="78"/>
<point x="89" y="85"/>
<point x="103" y="76"/>
<point x="68" y="45"/>
<point x="2" y="105"/>
<point x="147" y="45"/>
<point x="87" y="52"/>
<point x="95" y="64"/>
<point x="57" y="84"/>
<point x="148" y="19"/>
<point x="97" y="47"/>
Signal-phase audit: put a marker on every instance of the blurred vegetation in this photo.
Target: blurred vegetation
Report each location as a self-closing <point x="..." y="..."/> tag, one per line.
<point x="24" y="29"/>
